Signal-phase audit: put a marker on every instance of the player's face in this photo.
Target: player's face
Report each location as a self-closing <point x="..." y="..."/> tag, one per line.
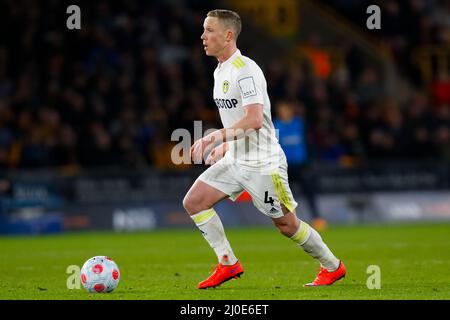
<point x="214" y="37"/>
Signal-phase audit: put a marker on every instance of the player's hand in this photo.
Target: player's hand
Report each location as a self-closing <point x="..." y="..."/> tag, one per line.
<point x="217" y="153"/>
<point x="200" y="148"/>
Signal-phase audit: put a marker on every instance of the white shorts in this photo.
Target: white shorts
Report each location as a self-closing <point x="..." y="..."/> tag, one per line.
<point x="268" y="191"/>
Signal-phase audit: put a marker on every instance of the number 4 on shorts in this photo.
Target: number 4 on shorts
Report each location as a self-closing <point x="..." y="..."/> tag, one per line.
<point x="268" y="199"/>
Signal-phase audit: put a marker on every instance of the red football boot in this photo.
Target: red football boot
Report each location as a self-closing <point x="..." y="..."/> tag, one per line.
<point x="221" y="274"/>
<point x="326" y="278"/>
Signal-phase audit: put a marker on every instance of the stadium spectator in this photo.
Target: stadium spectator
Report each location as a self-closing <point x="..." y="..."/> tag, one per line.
<point x="292" y="135"/>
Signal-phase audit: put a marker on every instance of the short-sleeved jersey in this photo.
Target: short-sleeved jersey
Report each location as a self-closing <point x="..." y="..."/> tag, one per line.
<point x="239" y="82"/>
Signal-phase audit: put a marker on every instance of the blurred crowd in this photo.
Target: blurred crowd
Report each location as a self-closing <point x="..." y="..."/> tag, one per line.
<point x="405" y="25"/>
<point x="112" y="93"/>
<point x="350" y="117"/>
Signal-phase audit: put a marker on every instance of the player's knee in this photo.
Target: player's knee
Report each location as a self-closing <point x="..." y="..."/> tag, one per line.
<point x="286" y="228"/>
<point x="188" y="204"/>
<point x="192" y="204"/>
<point x="281" y="225"/>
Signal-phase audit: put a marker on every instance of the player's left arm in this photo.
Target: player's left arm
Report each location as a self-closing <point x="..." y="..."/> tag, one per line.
<point x="250" y="84"/>
<point x="251" y="121"/>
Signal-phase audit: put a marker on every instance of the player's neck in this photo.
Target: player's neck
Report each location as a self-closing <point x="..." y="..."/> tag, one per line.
<point x="227" y="53"/>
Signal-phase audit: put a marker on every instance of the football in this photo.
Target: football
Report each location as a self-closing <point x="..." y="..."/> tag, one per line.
<point x="100" y="274"/>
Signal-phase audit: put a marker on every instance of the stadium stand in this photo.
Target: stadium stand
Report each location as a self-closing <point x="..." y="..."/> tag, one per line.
<point x="112" y="93"/>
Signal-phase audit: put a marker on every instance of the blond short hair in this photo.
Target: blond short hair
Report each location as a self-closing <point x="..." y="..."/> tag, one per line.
<point x="229" y="18"/>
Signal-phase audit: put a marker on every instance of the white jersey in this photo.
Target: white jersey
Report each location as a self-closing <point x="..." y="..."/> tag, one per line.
<point x="239" y="82"/>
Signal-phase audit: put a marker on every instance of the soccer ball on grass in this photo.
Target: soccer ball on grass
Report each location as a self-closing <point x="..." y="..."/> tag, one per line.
<point x="100" y="274"/>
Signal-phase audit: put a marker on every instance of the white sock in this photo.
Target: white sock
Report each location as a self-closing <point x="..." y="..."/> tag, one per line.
<point x="211" y="227"/>
<point x="312" y="243"/>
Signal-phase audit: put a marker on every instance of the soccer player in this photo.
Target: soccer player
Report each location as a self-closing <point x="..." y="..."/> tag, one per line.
<point x="245" y="156"/>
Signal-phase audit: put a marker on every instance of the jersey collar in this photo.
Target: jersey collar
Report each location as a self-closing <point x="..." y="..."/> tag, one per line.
<point x="226" y="63"/>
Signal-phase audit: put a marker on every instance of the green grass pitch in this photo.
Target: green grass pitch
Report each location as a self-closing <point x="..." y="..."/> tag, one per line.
<point x="414" y="260"/>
